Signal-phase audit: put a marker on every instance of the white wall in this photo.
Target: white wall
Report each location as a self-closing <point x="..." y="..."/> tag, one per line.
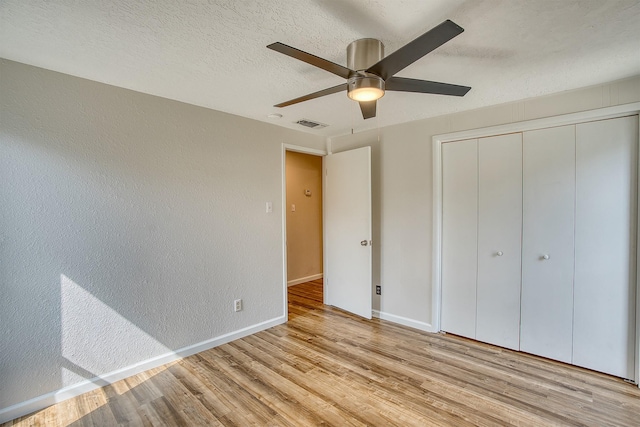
<point x="128" y="225"/>
<point x="402" y="187"/>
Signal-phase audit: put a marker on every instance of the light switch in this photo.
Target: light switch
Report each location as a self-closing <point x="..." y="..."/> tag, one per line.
<point x="269" y="207"/>
<point x="293" y="208"/>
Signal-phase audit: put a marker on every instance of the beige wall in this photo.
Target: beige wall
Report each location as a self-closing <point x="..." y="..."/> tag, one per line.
<point x="402" y="187"/>
<point x="304" y="226"/>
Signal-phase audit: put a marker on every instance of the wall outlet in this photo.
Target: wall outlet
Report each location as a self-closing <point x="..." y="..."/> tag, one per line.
<point x="378" y="290"/>
<point x="237" y="305"/>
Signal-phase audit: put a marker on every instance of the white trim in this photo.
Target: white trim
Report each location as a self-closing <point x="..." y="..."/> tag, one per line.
<point x="283" y="165"/>
<point x="637" y="349"/>
<point x="285" y="298"/>
<point x="325" y="251"/>
<point x="416" y="324"/>
<point x="41" y="402"/>
<point x="304" y="279"/>
<point x="566" y="119"/>
<point x="325" y="268"/>
<point x="303" y="150"/>
<point x="547" y="122"/>
<point x="436" y="262"/>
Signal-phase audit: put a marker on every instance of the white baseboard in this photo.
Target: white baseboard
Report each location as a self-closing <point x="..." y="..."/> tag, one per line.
<point x="416" y="324"/>
<point x="41" y="402"/>
<point x="304" y="279"/>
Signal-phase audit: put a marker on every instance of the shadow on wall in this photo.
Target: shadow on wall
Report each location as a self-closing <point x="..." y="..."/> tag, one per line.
<point x="86" y="350"/>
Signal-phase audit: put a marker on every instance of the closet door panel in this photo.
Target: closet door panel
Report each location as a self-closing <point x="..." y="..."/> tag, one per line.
<point x="604" y="300"/>
<point x="499" y="240"/>
<point x="548" y="242"/>
<point x="459" y="236"/>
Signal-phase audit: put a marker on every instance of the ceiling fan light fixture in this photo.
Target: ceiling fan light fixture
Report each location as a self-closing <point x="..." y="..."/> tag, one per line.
<point x="368" y="71"/>
<point x="365" y="88"/>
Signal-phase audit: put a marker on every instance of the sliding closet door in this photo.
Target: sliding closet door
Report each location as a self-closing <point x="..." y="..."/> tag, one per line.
<point x="604" y="302"/>
<point x="459" y="237"/>
<point x="499" y="240"/>
<point x="548" y="242"/>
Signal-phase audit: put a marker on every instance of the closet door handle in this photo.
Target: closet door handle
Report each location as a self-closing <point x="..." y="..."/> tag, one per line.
<point x="545" y="257"/>
<point x="499" y="253"/>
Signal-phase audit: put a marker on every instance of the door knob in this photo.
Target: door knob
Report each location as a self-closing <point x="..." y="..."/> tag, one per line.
<point x="545" y="256"/>
<point x="499" y="253"/>
<point x="364" y="243"/>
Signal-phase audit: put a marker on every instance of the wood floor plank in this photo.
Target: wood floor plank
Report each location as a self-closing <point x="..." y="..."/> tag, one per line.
<point x="290" y="399"/>
<point x="123" y="404"/>
<point x="322" y="402"/>
<point x="332" y="368"/>
<point x="179" y="400"/>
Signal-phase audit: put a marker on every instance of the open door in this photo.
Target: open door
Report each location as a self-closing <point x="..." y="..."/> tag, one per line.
<point x="348" y="231"/>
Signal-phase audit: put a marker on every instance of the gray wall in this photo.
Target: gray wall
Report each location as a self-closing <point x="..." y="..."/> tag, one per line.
<point x="128" y="225"/>
<point x="402" y="187"/>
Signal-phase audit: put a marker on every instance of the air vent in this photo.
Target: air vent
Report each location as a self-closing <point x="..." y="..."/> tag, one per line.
<point x="310" y="124"/>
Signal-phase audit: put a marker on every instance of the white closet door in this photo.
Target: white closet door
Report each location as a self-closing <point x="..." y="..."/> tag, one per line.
<point x="459" y="236"/>
<point x="604" y="301"/>
<point x="499" y="240"/>
<point x="548" y="242"/>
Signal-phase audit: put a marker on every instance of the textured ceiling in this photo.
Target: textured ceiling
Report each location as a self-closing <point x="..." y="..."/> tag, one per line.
<point x="213" y="54"/>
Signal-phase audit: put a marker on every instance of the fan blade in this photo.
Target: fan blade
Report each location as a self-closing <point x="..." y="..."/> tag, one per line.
<point x="401" y="84"/>
<point x="314" y="95"/>
<point x="368" y="109"/>
<point x="415" y="50"/>
<point x="329" y="66"/>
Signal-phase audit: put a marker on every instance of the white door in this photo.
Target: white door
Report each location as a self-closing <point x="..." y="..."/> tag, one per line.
<point x="604" y="302"/>
<point x="499" y="240"/>
<point x="548" y="242"/>
<point x="348" y="230"/>
<point x="459" y="237"/>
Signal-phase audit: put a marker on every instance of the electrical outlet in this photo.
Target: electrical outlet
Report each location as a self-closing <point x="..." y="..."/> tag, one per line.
<point x="378" y="290"/>
<point x="237" y="305"/>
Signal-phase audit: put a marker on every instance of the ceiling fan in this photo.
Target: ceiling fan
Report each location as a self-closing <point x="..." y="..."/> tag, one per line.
<point x="369" y="73"/>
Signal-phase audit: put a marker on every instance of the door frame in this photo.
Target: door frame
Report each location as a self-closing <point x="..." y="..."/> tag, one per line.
<point x="522" y="126"/>
<point x="313" y="152"/>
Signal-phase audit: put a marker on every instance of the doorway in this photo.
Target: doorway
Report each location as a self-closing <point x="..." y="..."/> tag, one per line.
<point x="303" y="208"/>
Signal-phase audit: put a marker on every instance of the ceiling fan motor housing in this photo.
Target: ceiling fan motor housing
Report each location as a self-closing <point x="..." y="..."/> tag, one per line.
<point x="363" y="53"/>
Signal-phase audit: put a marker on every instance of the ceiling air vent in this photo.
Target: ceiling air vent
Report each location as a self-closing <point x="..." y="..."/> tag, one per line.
<point x="310" y="124"/>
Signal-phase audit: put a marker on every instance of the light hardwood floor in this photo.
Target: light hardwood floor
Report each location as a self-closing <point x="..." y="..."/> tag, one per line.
<point x="327" y="367"/>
